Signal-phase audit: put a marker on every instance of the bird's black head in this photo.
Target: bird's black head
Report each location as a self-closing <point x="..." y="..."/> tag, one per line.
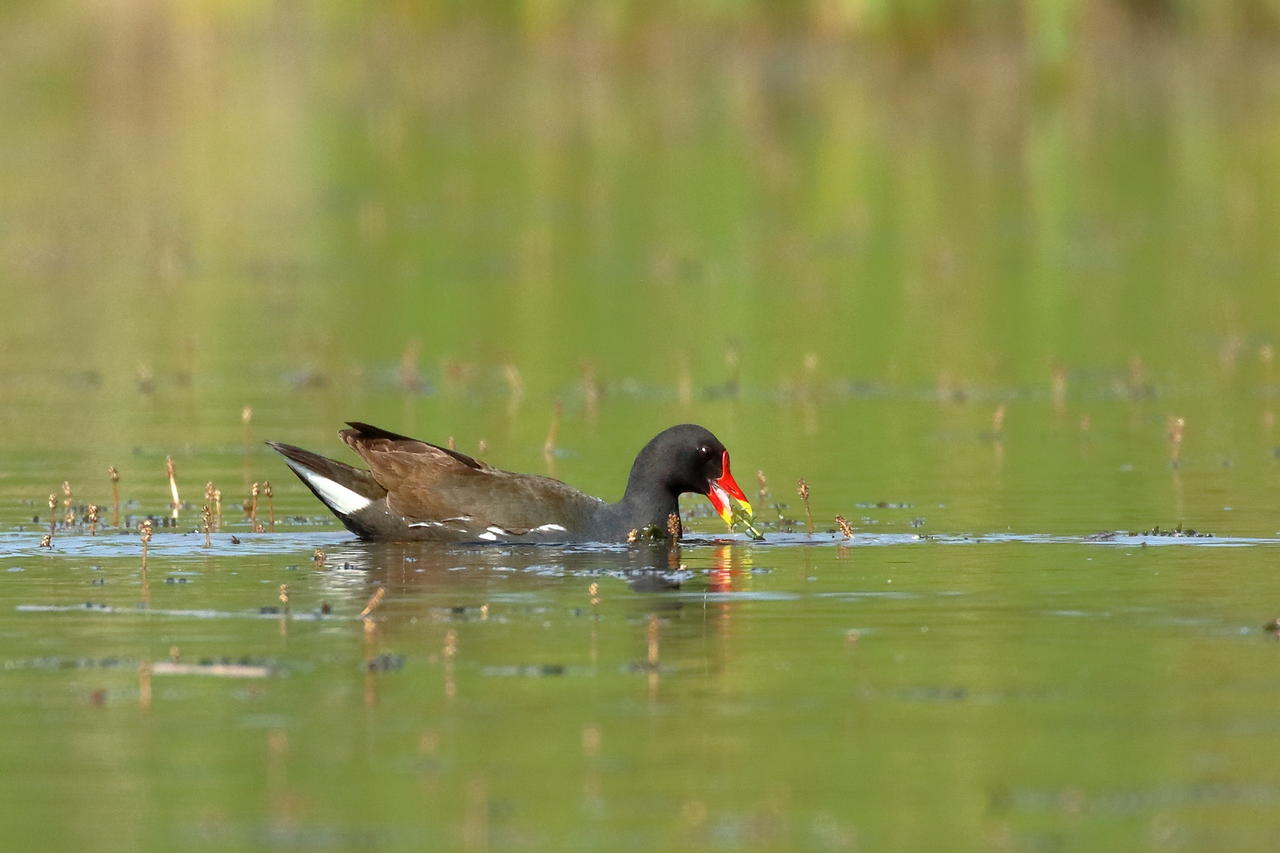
<point x="688" y="458"/>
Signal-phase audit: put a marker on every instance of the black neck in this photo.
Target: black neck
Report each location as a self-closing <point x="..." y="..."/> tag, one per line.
<point x="644" y="505"/>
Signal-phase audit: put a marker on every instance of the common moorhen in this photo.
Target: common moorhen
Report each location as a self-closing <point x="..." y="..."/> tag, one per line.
<point x="417" y="490"/>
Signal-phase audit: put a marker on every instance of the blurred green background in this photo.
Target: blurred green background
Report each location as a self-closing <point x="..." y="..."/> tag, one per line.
<point x="979" y="189"/>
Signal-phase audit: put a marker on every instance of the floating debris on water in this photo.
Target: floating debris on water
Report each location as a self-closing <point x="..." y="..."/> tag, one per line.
<point x="1175" y="533"/>
<point x="525" y="671"/>
<point x="225" y="665"/>
<point x="97" y="607"/>
<point x="211" y="668"/>
<point x="385" y="663"/>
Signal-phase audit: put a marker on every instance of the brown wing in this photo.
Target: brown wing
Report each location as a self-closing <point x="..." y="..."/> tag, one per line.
<point x="426" y="482"/>
<point x="364" y="435"/>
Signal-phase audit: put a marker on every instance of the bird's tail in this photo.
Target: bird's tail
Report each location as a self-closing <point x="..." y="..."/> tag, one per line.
<point x="344" y="489"/>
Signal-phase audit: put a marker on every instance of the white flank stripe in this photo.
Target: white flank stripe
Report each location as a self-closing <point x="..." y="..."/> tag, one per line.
<point x="549" y="528"/>
<point x="497" y="531"/>
<point x="339" y="498"/>
<point x="489" y="537"/>
<point x="427" y="524"/>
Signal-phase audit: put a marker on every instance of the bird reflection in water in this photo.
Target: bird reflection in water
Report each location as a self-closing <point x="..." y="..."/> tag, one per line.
<point x="690" y="625"/>
<point x="662" y="612"/>
<point x="452" y="586"/>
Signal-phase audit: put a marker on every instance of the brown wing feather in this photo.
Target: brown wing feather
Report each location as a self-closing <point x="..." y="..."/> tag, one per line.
<point x="514" y="502"/>
<point x="363" y="435"/>
<point x="426" y="482"/>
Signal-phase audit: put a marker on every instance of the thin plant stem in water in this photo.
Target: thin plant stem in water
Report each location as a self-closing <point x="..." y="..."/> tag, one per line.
<point x="733" y="367"/>
<point x="410" y="380"/>
<point x="271" y="504"/>
<point x="53" y="513"/>
<point x="144" y="534"/>
<point x="590" y="390"/>
<point x="553" y="431"/>
<point x="1176" y="425"/>
<point x="740" y="517"/>
<point x="515" y="384"/>
<point x="374" y="600"/>
<point x="173" y="485"/>
<point x="651" y="658"/>
<point x="684" y="381"/>
<point x="144" y="685"/>
<point x="802" y="488"/>
<point x="115" y="495"/>
<point x="1267" y="355"/>
<point x="93" y="519"/>
<point x="1058" y="391"/>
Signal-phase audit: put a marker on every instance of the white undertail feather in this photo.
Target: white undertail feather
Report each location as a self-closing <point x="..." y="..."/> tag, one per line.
<point x="339" y="498"/>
